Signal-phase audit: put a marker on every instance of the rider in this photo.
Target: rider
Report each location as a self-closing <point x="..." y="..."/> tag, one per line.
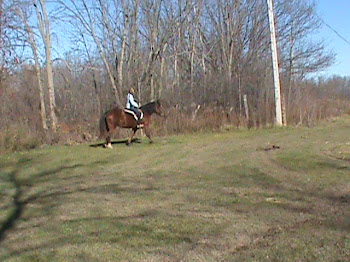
<point x="131" y="104"/>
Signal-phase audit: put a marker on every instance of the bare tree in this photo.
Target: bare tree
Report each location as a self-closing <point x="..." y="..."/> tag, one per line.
<point x="9" y="39"/>
<point x="84" y="16"/>
<point x="24" y="16"/>
<point x="44" y="27"/>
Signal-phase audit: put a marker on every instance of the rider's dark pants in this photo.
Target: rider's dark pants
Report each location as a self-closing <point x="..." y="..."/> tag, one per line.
<point x="136" y="111"/>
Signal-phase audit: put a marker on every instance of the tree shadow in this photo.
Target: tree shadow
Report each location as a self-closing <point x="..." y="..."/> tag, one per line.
<point x="23" y="185"/>
<point x="20" y="202"/>
<point x="18" y="207"/>
<point x="48" y="198"/>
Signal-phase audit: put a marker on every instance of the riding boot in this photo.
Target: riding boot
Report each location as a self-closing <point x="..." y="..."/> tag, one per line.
<point x="139" y="123"/>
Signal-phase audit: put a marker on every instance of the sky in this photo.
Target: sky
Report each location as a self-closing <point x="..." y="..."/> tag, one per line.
<point x="336" y="13"/>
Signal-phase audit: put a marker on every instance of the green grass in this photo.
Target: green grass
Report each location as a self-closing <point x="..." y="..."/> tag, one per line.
<point x="226" y="196"/>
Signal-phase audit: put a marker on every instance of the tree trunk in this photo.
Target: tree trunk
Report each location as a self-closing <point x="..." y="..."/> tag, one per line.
<point x="123" y="48"/>
<point x="162" y="66"/>
<point x="44" y="25"/>
<point x="246" y="109"/>
<point x="93" y="79"/>
<point x="33" y="45"/>
<point x="40" y="85"/>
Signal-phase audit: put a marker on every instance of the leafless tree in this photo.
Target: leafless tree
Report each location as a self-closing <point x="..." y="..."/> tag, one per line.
<point x="10" y="40"/>
<point x="44" y="28"/>
<point x="92" y="20"/>
<point x="23" y="12"/>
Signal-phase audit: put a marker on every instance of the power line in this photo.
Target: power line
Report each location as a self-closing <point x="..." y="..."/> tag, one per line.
<point x="334" y="31"/>
<point x="330" y="27"/>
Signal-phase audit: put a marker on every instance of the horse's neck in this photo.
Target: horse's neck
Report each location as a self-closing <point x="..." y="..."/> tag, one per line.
<point x="147" y="112"/>
<point x="148" y="109"/>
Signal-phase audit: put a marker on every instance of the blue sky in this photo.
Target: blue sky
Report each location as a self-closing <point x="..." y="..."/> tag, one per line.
<point x="336" y="13"/>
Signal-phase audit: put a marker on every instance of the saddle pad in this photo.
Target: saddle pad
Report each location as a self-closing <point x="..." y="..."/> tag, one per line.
<point x="133" y="113"/>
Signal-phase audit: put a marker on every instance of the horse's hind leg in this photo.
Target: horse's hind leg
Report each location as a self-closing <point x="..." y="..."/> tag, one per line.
<point x="109" y="128"/>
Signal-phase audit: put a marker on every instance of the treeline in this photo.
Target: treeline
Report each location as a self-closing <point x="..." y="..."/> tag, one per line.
<point x="202" y="56"/>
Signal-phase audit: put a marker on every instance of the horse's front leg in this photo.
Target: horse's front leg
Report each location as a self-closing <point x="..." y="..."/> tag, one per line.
<point x="109" y="128"/>
<point x="108" y="142"/>
<point x="148" y="133"/>
<point x="131" y="136"/>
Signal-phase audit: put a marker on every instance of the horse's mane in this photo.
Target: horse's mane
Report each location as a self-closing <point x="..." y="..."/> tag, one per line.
<point x="149" y="107"/>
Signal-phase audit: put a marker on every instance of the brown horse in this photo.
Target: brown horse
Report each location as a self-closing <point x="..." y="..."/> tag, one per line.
<point x="118" y="117"/>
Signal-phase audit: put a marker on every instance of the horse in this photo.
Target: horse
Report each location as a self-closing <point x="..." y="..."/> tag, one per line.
<point x="117" y="117"/>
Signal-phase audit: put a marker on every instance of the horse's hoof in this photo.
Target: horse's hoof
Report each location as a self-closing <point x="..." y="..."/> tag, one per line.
<point x="108" y="146"/>
<point x="151" y="142"/>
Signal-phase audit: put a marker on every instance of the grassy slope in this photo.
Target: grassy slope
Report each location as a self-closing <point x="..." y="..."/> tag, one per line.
<point x="204" y="197"/>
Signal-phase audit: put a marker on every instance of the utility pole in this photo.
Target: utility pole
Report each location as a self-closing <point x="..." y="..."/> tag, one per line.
<point x="276" y="77"/>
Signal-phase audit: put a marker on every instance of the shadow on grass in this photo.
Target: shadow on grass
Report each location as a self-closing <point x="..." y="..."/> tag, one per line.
<point x="21" y="186"/>
<point x="46" y="197"/>
<point x="19" y="203"/>
<point x="18" y="207"/>
<point x="135" y="140"/>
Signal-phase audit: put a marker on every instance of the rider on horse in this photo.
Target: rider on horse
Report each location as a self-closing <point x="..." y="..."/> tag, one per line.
<point x="131" y="104"/>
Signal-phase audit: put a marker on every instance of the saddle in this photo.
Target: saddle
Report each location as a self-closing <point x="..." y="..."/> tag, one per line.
<point x="128" y="111"/>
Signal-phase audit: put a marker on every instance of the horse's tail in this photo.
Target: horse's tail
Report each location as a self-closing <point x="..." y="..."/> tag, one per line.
<point x="103" y="126"/>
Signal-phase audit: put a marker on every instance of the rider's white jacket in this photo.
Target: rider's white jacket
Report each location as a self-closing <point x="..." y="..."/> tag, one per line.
<point x="130" y="101"/>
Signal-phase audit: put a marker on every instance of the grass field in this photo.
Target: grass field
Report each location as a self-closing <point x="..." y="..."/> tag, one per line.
<point x="258" y="195"/>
